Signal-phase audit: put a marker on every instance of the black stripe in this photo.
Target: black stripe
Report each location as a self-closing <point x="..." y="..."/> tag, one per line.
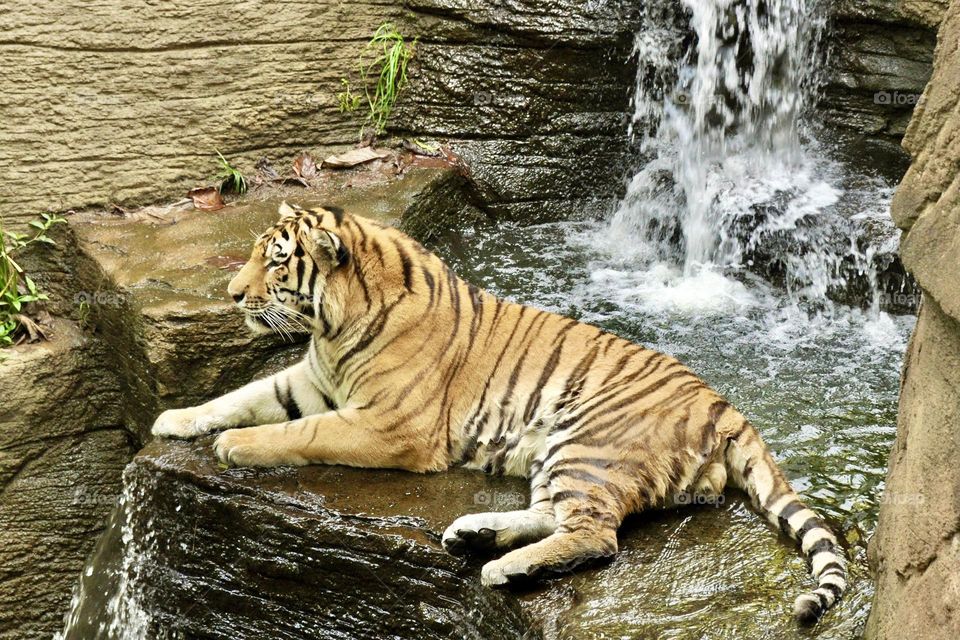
<point x="820" y="546"/>
<point x="287" y="402"/>
<point x="789" y="510"/>
<point x="560" y="496"/>
<point x="407" y="266"/>
<point x="337" y="213"/>
<point x="372" y="331"/>
<point x="811" y="523"/>
<point x="314" y="272"/>
<point x="837" y="591"/>
<point x="577" y="474"/>
<point x="833" y="567"/>
<point x="327" y="400"/>
<point x="301" y="265"/>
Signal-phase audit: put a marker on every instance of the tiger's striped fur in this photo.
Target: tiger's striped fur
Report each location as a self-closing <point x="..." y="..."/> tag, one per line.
<point x="410" y="367"/>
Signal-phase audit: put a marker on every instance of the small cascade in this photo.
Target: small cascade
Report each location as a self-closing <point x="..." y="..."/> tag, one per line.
<point x="732" y="180"/>
<point x="106" y="600"/>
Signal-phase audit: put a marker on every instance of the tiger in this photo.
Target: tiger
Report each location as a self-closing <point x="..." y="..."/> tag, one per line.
<point x="410" y="367"/>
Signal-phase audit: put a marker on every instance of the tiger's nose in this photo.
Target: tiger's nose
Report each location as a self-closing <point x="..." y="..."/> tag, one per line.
<point x="237" y="297"/>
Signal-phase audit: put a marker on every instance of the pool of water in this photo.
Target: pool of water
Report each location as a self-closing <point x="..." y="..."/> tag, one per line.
<point x="819" y="380"/>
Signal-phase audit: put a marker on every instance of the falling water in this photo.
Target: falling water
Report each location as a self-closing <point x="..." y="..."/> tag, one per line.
<point x="106" y="601"/>
<point x="732" y="179"/>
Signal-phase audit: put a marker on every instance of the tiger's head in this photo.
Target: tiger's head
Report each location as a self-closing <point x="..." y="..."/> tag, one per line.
<point x="282" y="285"/>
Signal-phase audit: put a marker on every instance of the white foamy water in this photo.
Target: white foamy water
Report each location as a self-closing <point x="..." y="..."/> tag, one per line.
<point x="107" y="600"/>
<point x="731" y="181"/>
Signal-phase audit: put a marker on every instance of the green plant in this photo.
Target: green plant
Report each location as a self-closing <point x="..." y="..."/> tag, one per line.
<point x="230" y="177"/>
<point x="83" y="314"/>
<point x="383" y="75"/>
<point x="16" y="287"/>
<point x="349" y="101"/>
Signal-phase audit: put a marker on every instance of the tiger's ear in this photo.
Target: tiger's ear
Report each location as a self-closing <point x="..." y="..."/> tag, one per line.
<point x="286" y="210"/>
<point x="328" y="246"/>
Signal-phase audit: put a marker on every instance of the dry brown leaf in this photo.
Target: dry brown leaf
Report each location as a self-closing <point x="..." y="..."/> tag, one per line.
<point x="354" y="157"/>
<point x="304" y="166"/>
<point x="206" y="198"/>
<point x="35" y="332"/>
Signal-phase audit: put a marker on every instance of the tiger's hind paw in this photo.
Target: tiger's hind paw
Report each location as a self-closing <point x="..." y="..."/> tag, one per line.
<point x="486" y="532"/>
<point x="463" y="541"/>
<point x="507" y="572"/>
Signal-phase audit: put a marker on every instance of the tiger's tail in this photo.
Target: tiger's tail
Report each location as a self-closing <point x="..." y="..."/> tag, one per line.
<point x="751" y="467"/>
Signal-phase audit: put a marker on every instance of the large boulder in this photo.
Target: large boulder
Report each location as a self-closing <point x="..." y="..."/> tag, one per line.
<point x="535" y="94"/>
<point x="916" y="549"/>
<point x="63" y="446"/>
<point x="202" y="551"/>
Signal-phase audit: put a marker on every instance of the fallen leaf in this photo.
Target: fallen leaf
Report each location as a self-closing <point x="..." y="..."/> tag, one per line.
<point x="35" y="332"/>
<point x="304" y="166"/>
<point x="206" y="198"/>
<point x="354" y="157"/>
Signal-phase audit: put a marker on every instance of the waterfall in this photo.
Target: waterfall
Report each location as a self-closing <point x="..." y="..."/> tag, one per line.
<point x="732" y="181"/>
<point x="106" y="601"/>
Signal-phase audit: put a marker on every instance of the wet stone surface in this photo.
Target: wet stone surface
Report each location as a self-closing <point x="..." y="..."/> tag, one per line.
<point x="334" y="552"/>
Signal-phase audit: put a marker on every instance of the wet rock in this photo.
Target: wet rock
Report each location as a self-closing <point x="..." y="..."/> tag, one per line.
<point x="64" y="440"/>
<point x="916" y="549"/>
<point x="60" y="466"/>
<point x="548" y="82"/>
<point x="145" y="325"/>
<point x="535" y="99"/>
<point x="534" y="95"/>
<point x="318" y="551"/>
<point x="881" y="54"/>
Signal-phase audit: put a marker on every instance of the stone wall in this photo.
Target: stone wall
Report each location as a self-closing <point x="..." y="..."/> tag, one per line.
<point x="881" y="54"/>
<point x="916" y="550"/>
<point x="126" y="102"/>
<point x="123" y="102"/>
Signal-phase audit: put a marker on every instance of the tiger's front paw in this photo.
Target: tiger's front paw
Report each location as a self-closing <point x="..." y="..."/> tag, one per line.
<point x="254" y="447"/>
<point x="183" y="423"/>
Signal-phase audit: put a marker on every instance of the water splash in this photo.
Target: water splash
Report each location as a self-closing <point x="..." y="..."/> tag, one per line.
<point x="731" y="179"/>
<point x="107" y="600"/>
